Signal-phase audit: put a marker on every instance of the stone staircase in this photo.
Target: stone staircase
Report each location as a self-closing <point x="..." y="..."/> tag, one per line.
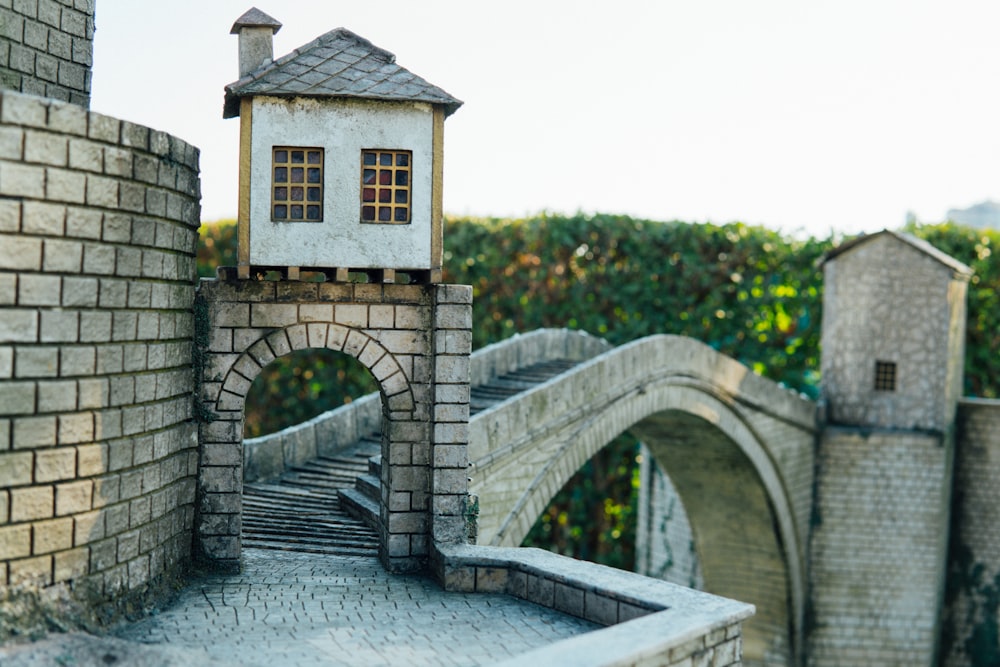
<point x="329" y="505"/>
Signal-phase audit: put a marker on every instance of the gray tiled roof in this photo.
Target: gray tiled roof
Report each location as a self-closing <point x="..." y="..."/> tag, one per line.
<point x="337" y="64"/>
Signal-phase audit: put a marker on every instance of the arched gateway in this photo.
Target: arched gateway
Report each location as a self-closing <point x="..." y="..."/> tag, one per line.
<point x="415" y="340"/>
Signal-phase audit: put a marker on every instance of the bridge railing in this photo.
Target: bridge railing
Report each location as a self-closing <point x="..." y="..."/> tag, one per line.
<point x="269" y="456"/>
<point x="627" y="368"/>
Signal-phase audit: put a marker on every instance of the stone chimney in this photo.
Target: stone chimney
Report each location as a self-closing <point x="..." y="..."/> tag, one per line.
<point x="255" y="29"/>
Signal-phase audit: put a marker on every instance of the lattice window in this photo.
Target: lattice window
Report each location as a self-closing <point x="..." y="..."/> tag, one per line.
<point x="885" y="376"/>
<point x="297" y="184"/>
<point x="385" y="186"/>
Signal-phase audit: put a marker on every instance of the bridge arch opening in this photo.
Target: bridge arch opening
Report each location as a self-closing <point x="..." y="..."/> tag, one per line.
<point x="294" y="469"/>
<point x="735" y="529"/>
<point x="302" y="385"/>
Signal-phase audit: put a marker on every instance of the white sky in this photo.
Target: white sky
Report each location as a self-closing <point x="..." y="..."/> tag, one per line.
<point x="797" y="114"/>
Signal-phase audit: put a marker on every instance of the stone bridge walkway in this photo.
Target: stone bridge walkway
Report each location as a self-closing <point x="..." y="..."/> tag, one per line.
<point x="305" y="609"/>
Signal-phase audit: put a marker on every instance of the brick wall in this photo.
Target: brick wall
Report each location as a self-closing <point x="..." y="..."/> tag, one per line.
<point x="878" y="547"/>
<point x="46" y="48"/>
<point x="98" y="226"/>
<point x="973" y="601"/>
<point x="414" y="339"/>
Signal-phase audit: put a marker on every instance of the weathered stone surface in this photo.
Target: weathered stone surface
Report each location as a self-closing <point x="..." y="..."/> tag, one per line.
<point x="72" y="336"/>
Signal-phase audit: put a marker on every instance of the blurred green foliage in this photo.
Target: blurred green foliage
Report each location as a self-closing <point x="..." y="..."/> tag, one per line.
<point x="747" y="291"/>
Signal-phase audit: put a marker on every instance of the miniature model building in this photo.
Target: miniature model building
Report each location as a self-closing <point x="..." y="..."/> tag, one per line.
<point x="340" y="156"/>
<point x="893" y="340"/>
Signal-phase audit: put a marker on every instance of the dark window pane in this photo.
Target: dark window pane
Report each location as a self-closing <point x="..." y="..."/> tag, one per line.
<point x="402" y="197"/>
<point x="296" y="211"/>
<point x="298" y="175"/>
<point x="280" y="194"/>
<point x="369" y="177"/>
<point x="384" y="213"/>
<point x="313" y="157"/>
<point x="312" y="212"/>
<point x="313" y="194"/>
<point x="385" y="196"/>
<point x="368" y="194"/>
<point x="400" y="214"/>
<point x="312" y="173"/>
<point x="297" y="194"/>
<point x="281" y="156"/>
<point x="368" y="213"/>
<point x="368" y="159"/>
<point x="384" y="177"/>
<point x="280" y="212"/>
<point x="402" y="178"/>
<point x="403" y="160"/>
<point x="385" y="159"/>
<point x="281" y="174"/>
<point x="298" y="157"/>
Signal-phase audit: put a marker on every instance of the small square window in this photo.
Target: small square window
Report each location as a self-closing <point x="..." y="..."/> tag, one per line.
<point x="385" y="186"/>
<point x="288" y="187"/>
<point x="885" y="376"/>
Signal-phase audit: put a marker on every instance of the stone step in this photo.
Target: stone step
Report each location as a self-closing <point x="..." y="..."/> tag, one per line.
<point x="360" y="507"/>
<point x="370" y="486"/>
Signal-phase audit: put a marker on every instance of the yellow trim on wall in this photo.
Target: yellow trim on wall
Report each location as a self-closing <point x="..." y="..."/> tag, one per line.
<point x="243" y="212"/>
<point x="437" y="182"/>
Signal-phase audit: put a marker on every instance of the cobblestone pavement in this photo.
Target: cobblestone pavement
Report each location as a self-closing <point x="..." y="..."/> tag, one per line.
<point x="289" y="608"/>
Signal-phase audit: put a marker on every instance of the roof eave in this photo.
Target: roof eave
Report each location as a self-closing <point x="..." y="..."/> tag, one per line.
<point x="231" y="106"/>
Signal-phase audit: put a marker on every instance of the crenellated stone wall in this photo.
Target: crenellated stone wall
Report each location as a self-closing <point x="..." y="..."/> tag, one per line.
<point x="98" y="450"/>
<point x="46" y="48"/>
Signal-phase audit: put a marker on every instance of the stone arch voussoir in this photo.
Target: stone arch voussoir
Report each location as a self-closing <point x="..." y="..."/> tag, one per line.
<point x="380" y="362"/>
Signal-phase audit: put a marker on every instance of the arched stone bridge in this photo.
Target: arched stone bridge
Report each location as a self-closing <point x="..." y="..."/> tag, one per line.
<point x="738" y="448"/>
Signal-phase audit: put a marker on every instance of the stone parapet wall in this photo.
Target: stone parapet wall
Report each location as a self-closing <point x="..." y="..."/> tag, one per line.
<point x="270" y="456"/>
<point x="523" y="350"/>
<point x="98" y="452"/>
<point x="648" y="622"/>
<point x="972" y="606"/>
<point x="46" y="48"/>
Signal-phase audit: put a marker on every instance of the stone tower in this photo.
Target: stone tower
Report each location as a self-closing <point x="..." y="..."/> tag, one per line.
<point x="892" y="355"/>
<point x="893" y="334"/>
